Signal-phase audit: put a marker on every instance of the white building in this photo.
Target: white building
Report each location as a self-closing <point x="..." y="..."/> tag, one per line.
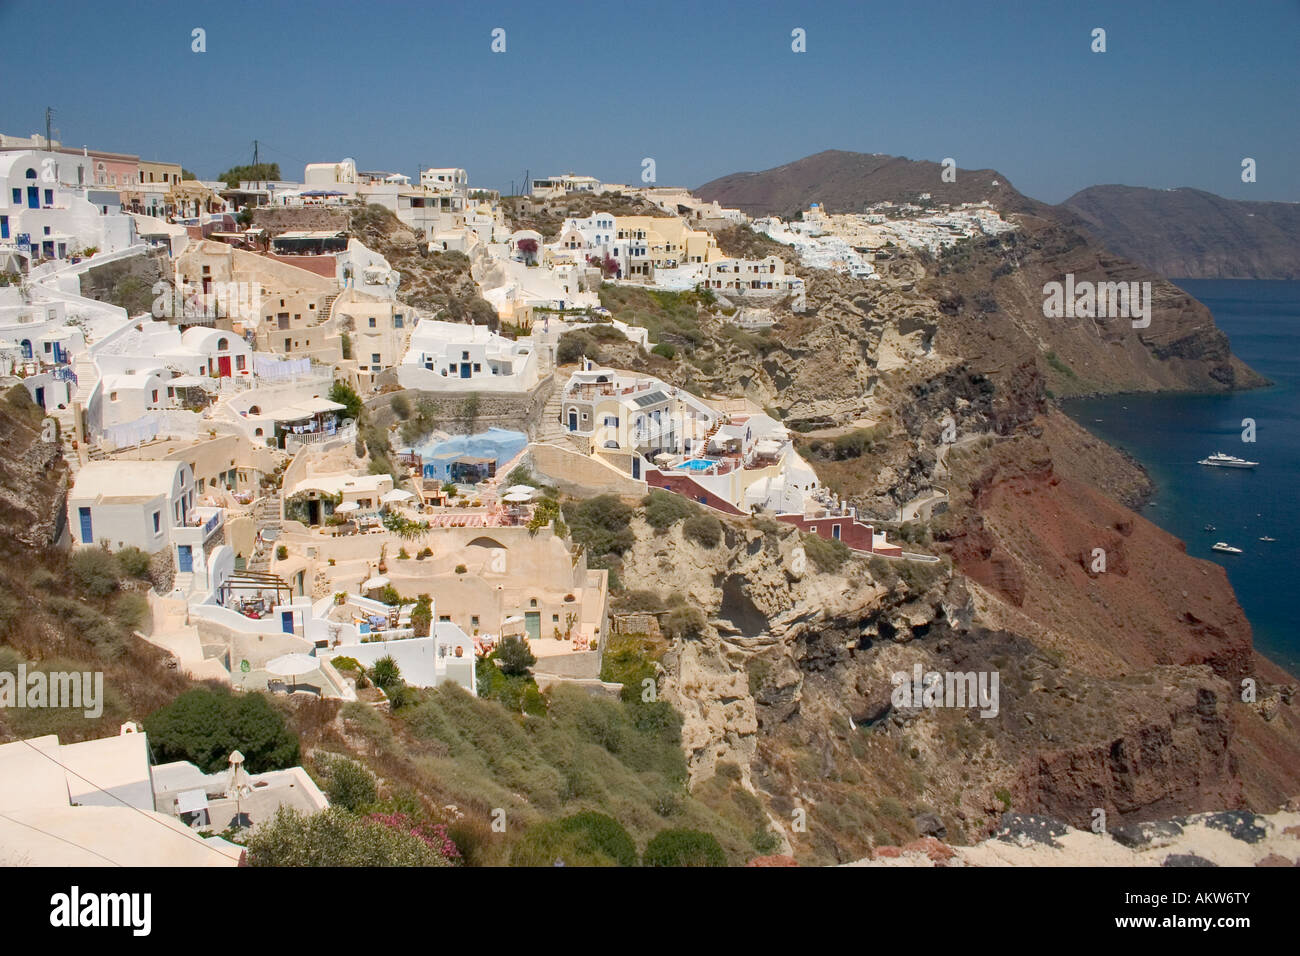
<point x="47" y="211"/>
<point x="451" y="178"/>
<point x="126" y="503"/>
<point x="454" y="356"/>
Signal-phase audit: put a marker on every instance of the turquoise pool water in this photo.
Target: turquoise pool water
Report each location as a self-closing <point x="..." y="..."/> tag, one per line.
<point x="697" y="464"/>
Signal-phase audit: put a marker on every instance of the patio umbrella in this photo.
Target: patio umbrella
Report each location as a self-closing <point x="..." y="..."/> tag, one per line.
<point x="397" y="494"/>
<point x="346" y="507"/>
<point x="518" y="496"/>
<point x="292" y="666"/>
<point x="526" y="490"/>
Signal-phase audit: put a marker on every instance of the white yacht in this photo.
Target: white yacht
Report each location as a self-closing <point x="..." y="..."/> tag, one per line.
<point x="1220" y="460"/>
<point x="1225" y="547"/>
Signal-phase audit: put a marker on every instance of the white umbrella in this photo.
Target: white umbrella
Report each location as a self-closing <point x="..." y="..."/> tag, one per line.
<point x="378" y="581"/>
<point x="518" y="496"/>
<point x="292" y="665"/>
<point x="527" y="490"/>
<point x="347" y="506"/>
<point x="397" y="494"/>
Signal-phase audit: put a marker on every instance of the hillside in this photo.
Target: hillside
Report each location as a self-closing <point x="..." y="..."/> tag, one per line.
<point x="849" y="182"/>
<point x="1193" y="234"/>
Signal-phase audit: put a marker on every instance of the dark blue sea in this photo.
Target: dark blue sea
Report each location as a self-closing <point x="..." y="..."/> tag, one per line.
<point x="1169" y="433"/>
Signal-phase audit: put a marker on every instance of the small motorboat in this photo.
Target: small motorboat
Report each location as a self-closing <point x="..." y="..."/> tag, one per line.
<point x="1267" y="538"/>
<point x="1225" y="548"/>
<point x="1209" y="527"/>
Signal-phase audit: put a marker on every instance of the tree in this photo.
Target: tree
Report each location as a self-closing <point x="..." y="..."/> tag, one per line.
<point x="515" y="656"/>
<point x="684" y="848"/>
<point x="235" y="175"/>
<point x="345" y="394"/>
<point x="529" y="249"/>
<point x="203" y="726"/>
<point x="422" y="616"/>
<point x="337" y="837"/>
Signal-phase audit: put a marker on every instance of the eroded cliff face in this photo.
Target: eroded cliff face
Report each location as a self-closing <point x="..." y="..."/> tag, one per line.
<point x="1119" y="679"/>
<point x="33" y="476"/>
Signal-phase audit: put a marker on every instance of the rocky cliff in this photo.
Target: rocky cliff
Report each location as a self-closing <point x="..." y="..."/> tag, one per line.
<point x="1191" y="233"/>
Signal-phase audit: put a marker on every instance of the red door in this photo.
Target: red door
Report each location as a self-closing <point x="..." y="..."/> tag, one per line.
<point x="223" y="365"/>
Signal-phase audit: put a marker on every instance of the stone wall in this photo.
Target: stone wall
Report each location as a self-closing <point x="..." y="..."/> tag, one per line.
<point x="578" y="474"/>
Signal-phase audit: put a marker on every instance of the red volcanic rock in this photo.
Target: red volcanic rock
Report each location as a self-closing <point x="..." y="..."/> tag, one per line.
<point x="936" y="850"/>
<point x="774" y="860"/>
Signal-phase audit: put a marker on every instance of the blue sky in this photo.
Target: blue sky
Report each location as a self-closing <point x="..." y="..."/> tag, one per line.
<point x="1185" y="90"/>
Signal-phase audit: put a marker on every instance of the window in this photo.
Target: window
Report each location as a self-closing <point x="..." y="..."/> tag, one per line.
<point x="240" y="362"/>
<point x="555" y="619"/>
<point x="444" y="617"/>
<point x="397" y="321"/>
<point x="473" y="621"/>
<point x="223" y="345"/>
<point x="372" y="322"/>
<point x="478" y="367"/>
<point x="374" y="358"/>
<point x="464" y="356"/>
<point x="157" y="522"/>
<point x="532" y="602"/>
<point x="154" y="393"/>
<point x="112" y="396"/>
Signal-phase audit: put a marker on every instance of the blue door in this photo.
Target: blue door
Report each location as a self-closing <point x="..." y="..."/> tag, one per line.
<point x="87" y="532"/>
<point x="286" y="621"/>
<point x="33" y="198"/>
<point x="573" y="421"/>
<point x="464" y="369"/>
<point x="40" y="396"/>
<point x="636" y="467"/>
<point x="184" y="558"/>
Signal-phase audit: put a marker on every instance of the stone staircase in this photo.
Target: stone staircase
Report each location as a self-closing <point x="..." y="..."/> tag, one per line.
<point x="551" y="428"/>
<point x="327" y="308"/>
<point x="267" y="516"/>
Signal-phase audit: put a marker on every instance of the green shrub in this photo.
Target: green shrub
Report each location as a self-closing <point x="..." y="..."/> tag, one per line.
<point x="95" y="572"/>
<point x="666" y="350"/>
<point x="335" y="837"/>
<point x="704" y="528"/>
<point x="400" y="405"/>
<point x="827" y="553"/>
<point x="663" y="509"/>
<point x="385" y="673"/>
<point x="583" y="839"/>
<point x="684" y="848"/>
<point x="347" y="783"/>
<point x="602" y="525"/>
<point x="133" y="562"/>
<point x="203" y="726"/>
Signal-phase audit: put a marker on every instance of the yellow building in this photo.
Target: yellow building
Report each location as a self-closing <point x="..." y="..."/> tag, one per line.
<point x="169" y="173"/>
<point x="663" y="242"/>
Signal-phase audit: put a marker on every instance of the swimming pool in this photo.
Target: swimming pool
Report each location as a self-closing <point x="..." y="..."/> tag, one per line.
<point x="697" y="464"/>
